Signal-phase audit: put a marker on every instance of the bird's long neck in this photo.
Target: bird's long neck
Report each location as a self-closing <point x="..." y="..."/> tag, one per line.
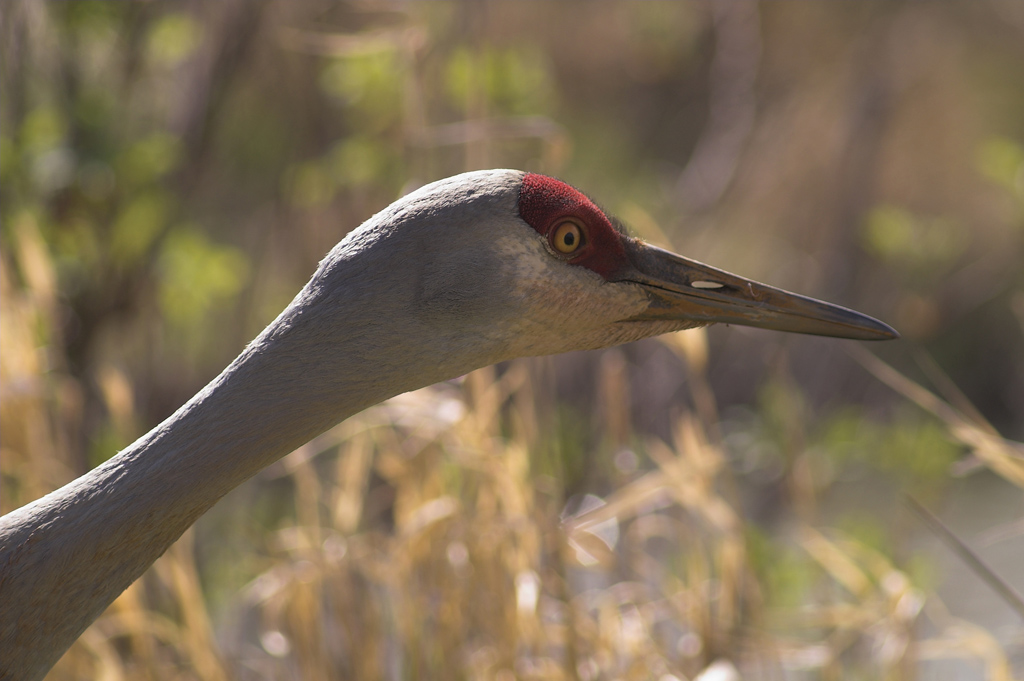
<point x="67" y="556"/>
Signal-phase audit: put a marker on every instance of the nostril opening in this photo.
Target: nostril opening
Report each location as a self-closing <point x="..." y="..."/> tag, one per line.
<point x="706" y="284"/>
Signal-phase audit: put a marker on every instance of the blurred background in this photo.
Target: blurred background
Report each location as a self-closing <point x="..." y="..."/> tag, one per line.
<point x="722" y="503"/>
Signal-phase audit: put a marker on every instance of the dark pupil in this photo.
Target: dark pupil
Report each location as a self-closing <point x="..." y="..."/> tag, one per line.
<point x="569" y="239"/>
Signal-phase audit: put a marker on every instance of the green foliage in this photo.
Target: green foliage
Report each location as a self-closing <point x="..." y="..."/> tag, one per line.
<point x="909" y="446"/>
<point x="867" y="529"/>
<point x="137" y="226"/>
<point x="105" y="444"/>
<point x="173" y="38"/>
<point x="8" y="159"/>
<point x="1001" y="160"/>
<point x="369" y="87"/>
<point x="356" y="162"/>
<point x="512" y="80"/>
<point x="91" y="15"/>
<point x="361" y="161"/>
<point x="77" y="249"/>
<point x="257" y="144"/>
<point x="923" y="571"/>
<point x="925" y="246"/>
<point x="912" y="447"/>
<point x="309" y="184"/>
<point x="783" y="409"/>
<point x="149" y="159"/>
<point x="786" y="574"/>
<point x="665" y="35"/>
<point x="43" y="129"/>
<point x="564" y="456"/>
<point x="197" y="275"/>
<point x="93" y="112"/>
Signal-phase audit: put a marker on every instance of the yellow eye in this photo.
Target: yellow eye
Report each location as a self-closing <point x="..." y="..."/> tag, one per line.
<point x="568" y="237"/>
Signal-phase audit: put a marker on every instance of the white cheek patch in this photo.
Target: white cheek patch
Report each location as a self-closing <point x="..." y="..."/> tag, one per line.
<point x="706" y="284"/>
<point x="559" y="307"/>
<point x="525" y="257"/>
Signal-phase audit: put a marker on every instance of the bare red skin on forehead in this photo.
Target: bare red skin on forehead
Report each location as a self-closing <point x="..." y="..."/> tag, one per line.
<point x="545" y="202"/>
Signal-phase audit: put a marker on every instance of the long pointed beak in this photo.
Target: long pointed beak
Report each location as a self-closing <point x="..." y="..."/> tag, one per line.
<point x="680" y="288"/>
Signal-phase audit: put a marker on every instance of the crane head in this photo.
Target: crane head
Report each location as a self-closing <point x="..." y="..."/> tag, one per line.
<point x="673" y="289"/>
<point x="492" y="265"/>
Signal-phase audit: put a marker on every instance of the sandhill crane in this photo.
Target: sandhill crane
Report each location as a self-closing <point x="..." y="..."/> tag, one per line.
<point x="465" y="272"/>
